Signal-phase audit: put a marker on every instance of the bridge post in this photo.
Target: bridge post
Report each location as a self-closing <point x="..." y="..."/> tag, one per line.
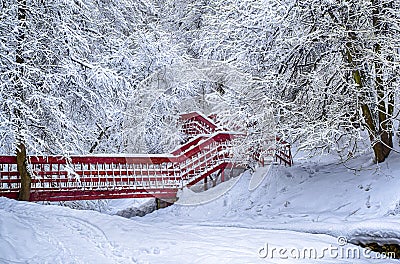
<point x="163" y="203"/>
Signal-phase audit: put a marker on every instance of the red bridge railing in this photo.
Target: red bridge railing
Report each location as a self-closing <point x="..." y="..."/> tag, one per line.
<point x="56" y="178"/>
<point x="100" y="177"/>
<point x="195" y="123"/>
<point x="283" y="153"/>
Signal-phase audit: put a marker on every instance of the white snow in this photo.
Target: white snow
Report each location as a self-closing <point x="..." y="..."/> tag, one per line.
<point x="189" y="197"/>
<point x="307" y="206"/>
<point x="258" y="176"/>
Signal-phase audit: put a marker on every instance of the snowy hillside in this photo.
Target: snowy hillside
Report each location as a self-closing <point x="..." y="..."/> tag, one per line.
<point x="306" y="206"/>
<point x="316" y="197"/>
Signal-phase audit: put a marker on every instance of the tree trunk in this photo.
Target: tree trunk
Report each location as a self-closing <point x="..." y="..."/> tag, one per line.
<point x="376" y="144"/>
<point x="22" y="167"/>
<point x="21" y="15"/>
<point x="22" y="164"/>
<point x="378" y="133"/>
<point x="384" y="111"/>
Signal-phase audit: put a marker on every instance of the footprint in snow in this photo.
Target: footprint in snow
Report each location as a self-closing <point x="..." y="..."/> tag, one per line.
<point x="283" y="190"/>
<point x="289" y="175"/>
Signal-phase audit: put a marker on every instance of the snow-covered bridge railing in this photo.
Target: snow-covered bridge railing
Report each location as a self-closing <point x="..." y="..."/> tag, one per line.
<point x="208" y="152"/>
<point x="106" y="177"/>
<point x="195" y="123"/>
<point x="283" y="153"/>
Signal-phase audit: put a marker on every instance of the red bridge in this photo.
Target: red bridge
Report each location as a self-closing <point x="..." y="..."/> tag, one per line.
<point x="208" y="153"/>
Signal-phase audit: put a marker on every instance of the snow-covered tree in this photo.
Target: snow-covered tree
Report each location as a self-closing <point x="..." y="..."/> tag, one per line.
<point x="325" y="68"/>
<point x="67" y="69"/>
<point x="341" y="62"/>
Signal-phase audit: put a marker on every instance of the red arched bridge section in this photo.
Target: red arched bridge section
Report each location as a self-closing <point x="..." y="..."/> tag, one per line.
<point x="56" y="178"/>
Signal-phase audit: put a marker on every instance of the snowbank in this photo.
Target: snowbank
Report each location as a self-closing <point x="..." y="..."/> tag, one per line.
<point x="358" y="200"/>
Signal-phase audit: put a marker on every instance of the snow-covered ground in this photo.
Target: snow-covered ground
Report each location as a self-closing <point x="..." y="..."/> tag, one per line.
<point x="295" y="215"/>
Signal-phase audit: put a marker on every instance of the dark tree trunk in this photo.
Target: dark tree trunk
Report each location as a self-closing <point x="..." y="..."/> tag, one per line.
<point x="22" y="162"/>
<point x="21" y="32"/>
<point x="369" y="120"/>
<point x="384" y="111"/>
<point x="22" y="166"/>
<point x="379" y="125"/>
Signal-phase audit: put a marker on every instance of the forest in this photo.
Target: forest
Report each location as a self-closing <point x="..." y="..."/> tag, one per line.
<point x="80" y="77"/>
